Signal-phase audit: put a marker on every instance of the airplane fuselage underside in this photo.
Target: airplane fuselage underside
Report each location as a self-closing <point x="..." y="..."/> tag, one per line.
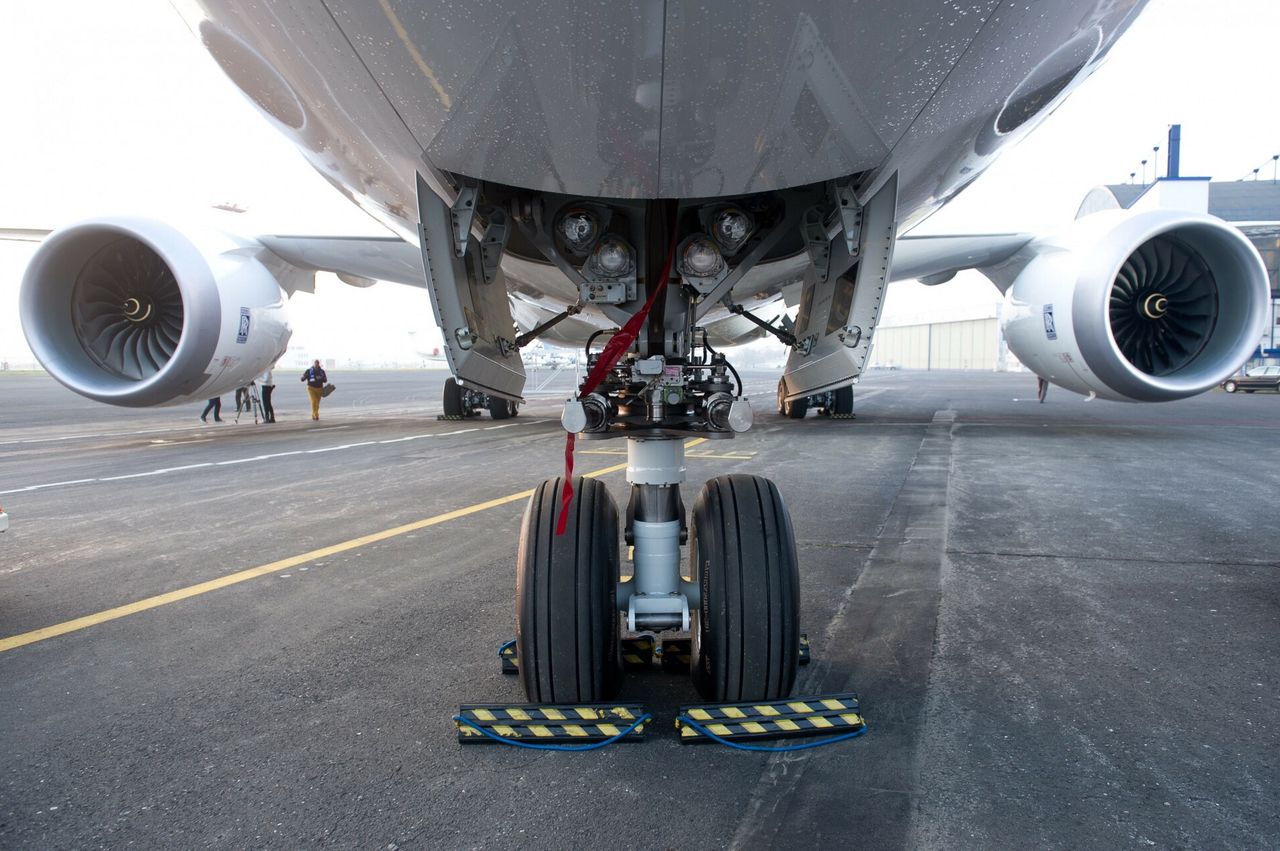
<point x="656" y="101"/>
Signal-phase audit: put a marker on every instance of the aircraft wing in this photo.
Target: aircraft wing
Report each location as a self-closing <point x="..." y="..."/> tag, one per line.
<point x="23" y="234"/>
<point x="935" y="259"/>
<point x="357" y="260"/>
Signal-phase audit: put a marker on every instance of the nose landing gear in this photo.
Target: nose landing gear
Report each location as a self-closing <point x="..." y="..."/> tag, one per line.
<point x="740" y="612"/>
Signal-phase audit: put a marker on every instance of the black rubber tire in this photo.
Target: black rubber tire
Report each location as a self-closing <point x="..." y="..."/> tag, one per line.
<point x="782" y="406"/>
<point x="746" y="629"/>
<point x="567" y="622"/>
<point x="1230" y="386"/>
<point x="797" y="408"/>
<point x="501" y="409"/>
<point x="453" y="399"/>
<point x="843" y="401"/>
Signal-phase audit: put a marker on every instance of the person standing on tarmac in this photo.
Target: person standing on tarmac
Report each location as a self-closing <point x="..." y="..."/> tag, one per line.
<point x="267" y="382"/>
<point x="215" y="405"/>
<point x="315" y="378"/>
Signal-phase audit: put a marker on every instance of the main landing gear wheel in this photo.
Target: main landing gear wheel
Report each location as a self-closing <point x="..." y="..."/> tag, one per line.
<point x="746" y="630"/>
<point x="796" y="409"/>
<point x="501" y="409"/>
<point x="843" y="401"/>
<point x="453" y="406"/>
<point x="566" y="596"/>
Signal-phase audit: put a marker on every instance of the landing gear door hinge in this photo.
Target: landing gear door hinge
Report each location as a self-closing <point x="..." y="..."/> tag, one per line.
<point x="840" y="306"/>
<point x="469" y="296"/>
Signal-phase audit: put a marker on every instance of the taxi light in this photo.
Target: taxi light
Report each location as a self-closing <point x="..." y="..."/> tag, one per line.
<point x="611" y="259"/>
<point x="701" y="258"/>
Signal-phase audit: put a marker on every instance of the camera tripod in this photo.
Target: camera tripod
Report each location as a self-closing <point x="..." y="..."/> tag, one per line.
<point x="254" y="404"/>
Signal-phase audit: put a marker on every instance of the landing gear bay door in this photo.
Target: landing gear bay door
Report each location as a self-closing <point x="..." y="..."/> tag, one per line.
<point x="468" y="292"/>
<point x="840" y="303"/>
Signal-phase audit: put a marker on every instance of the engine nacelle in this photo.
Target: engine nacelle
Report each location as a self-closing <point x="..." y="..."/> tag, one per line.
<point x="1141" y="307"/>
<point x="135" y="312"/>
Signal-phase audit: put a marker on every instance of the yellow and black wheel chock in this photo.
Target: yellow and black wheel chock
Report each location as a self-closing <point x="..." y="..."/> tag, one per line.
<point x="834" y="715"/>
<point x="824" y="719"/>
<point x="539" y="726"/>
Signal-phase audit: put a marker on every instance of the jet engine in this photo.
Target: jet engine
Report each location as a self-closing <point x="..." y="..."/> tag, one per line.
<point x="136" y="312"/>
<point x="1142" y="307"/>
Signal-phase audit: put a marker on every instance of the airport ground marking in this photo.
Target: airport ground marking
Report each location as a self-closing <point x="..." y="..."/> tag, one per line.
<point x="264" y="457"/>
<point x="734" y="456"/>
<point x="15" y="641"/>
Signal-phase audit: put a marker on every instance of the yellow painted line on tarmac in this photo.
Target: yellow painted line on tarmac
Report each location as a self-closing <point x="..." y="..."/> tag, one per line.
<point x="15" y="641"/>
<point x="731" y="456"/>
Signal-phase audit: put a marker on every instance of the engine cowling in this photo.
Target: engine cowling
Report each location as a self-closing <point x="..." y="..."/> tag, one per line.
<point x="138" y="313"/>
<point x="1143" y="307"/>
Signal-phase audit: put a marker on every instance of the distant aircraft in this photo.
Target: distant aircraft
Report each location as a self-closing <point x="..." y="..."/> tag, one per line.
<point x="684" y="176"/>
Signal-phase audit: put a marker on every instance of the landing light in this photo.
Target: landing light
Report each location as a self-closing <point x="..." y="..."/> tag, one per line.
<point x="611" y="259"/>
<point x="578" y="229"/>
<point x="731" y="227"/>
<point x="701" y="258"/>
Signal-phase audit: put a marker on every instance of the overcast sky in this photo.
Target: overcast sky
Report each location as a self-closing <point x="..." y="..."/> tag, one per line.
<point x="114" y="107"/>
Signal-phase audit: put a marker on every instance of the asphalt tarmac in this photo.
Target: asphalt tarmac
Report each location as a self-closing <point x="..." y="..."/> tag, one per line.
<point x="1061" y="618"/>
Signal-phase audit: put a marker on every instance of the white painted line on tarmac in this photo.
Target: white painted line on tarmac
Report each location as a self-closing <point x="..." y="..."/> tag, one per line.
<point x="49" y="485"/>
<point x="103" y="434"/>
<point x="343" y="446"/>
<point x="265" y="457"/>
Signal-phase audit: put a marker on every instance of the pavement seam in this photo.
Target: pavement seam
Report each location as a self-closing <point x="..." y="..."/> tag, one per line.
<point x="1107" y="559"/>
<point x="761" y="825"/>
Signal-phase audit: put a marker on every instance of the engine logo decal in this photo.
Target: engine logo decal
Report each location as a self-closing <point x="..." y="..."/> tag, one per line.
<point x="242" y="336"/>
<point x="1050" y="330"/>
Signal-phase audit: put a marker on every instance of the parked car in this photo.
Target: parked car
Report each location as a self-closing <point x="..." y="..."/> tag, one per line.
<point x="1258" y="378"/>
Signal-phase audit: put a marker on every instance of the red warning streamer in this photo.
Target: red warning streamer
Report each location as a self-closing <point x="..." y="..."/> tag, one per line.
<point x="613" y="352"/>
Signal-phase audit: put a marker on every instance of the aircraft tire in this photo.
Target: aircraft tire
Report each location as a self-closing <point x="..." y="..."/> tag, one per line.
<point x="501" y="409"/>
<point x="746" y="628"/>
<point x="453" y="399"/>
<point x="843" y="401"/>
<point x="566" y="658"/>
<point x="796" y="409"/>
